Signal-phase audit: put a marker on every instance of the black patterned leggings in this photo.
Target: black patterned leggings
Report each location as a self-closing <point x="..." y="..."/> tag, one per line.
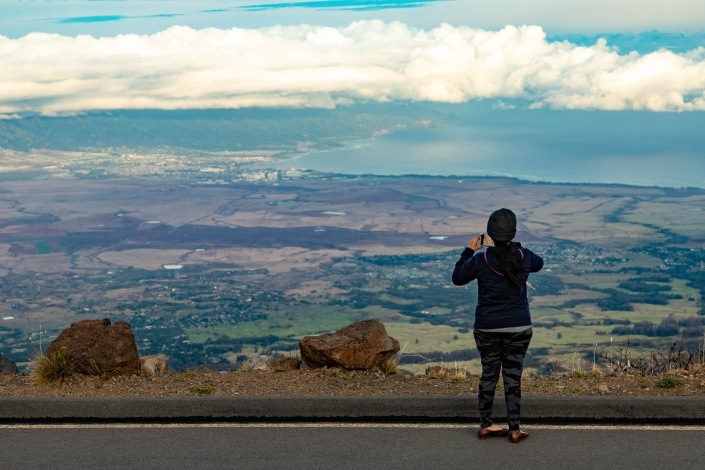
<point x="505" y="352"/>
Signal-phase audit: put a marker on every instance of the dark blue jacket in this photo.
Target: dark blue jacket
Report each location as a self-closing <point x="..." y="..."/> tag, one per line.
<point x="500" y="303"/>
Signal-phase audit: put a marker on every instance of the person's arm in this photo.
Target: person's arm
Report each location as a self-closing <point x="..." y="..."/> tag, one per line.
<point x="462" y="274"/>
<point x="536" y="263"/>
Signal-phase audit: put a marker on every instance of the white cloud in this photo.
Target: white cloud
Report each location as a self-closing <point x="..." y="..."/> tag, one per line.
<point x="184" y="68"/>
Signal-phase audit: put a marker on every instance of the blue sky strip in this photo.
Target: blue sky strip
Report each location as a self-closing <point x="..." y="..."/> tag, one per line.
<point x="353" y="5"/>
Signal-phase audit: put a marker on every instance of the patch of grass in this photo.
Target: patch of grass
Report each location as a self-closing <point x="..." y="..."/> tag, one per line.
<point x="579" y="374"/>
<point x="667" y="382"/>
<point x="459" y="378"/>
<point x="576" y="390"/>
<point x="182" y="377"/>
<point x="203" y="389"/>
<point x="51" y="368"/>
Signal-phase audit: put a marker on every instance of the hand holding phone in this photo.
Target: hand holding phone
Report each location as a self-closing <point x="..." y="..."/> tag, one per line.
<point x="486" y="241"/>
<point x="477" y="242"/>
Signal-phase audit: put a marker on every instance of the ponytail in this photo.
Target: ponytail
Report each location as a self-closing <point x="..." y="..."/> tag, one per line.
<point x="509" y="262"/>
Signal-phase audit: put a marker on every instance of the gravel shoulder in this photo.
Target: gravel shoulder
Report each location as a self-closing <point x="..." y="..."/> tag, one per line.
<point x="336" y="382"/>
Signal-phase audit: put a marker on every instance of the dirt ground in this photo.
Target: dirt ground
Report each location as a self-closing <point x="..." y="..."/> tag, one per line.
<point x="336" y="382"/>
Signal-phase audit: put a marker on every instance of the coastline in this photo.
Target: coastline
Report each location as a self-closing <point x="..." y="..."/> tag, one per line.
<point x="287" y="163"/>
<point x="295" y="160"/>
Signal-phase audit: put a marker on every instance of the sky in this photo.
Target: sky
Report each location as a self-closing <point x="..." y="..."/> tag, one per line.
<point x="62" y="57"/>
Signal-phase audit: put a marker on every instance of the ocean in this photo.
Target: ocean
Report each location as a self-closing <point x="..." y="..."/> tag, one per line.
<point x="598" y="147"/>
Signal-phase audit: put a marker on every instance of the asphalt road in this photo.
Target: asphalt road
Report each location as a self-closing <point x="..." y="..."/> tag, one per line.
<point x="345" y="446"/>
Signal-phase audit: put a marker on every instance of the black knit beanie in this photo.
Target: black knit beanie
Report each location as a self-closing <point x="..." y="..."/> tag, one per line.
<point x="502" y="225"/>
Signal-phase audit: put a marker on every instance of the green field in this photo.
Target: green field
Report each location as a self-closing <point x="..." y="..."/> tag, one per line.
<point x="565" y="337"/>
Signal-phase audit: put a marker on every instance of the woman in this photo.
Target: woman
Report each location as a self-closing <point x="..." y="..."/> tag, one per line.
<point x="502" y="320"/>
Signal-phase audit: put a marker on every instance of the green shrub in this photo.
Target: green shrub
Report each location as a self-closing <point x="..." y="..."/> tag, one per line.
<point x="203" y="389"/>
<point x="667" y="382"/>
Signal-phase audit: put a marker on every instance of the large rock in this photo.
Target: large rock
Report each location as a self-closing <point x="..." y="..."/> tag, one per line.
<point x="98" y="348"/>
<point x="7" y="366"/>
<point x="362" y="345"/>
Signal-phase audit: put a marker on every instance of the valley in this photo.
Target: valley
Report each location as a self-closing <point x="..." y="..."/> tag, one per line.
<point x="210" y="272"/>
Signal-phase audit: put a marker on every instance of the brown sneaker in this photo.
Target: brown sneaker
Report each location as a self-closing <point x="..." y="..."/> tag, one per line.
<point x="517" y="435"/>
<point x="484" y="433"/>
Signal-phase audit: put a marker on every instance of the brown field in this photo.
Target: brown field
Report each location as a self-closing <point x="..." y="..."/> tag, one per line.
<point x="363" y="212"/>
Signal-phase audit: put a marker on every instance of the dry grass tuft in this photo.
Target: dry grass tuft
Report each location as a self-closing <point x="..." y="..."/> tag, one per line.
<point x="390" y="366"/>
<point x="47" y="369"/>
<point x="459" y="377"/>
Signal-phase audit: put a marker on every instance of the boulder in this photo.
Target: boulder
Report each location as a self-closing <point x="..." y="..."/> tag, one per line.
<point x="362" y="345"/>
<point x="7" y="366"/>
<point x="154" y="366"/>
<point x="98" y="348"/>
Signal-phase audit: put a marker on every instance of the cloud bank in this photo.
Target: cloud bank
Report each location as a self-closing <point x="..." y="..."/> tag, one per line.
<point x="315" y="66"/>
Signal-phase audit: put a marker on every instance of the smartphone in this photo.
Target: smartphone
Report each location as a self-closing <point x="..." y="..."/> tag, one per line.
<point x="485" y="240"/>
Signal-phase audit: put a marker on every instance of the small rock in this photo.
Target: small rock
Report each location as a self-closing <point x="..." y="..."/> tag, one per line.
<point x="154" y="366"/>
<point x="286" y="364"/>
<point x="435" y="372"/>
<point x="259" y="363"/>
<point x="7" y="366"/>
<point x="603" y="388"/>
